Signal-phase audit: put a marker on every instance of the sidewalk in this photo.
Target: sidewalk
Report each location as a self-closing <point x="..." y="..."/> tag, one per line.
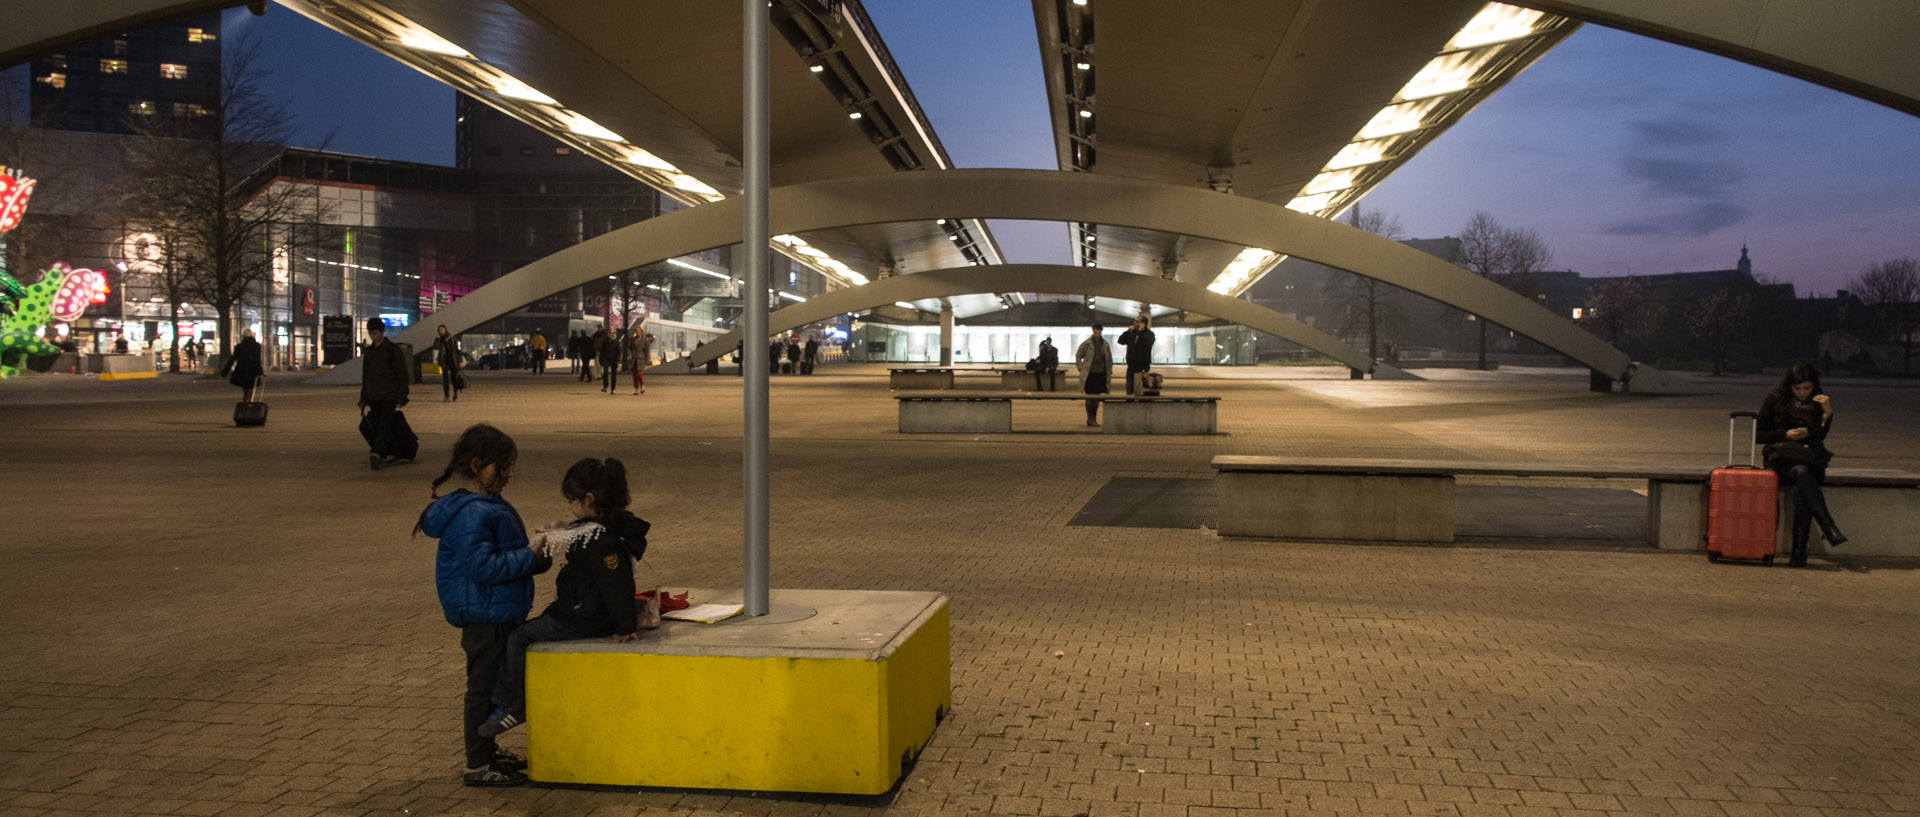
<point x="206" y="620"/>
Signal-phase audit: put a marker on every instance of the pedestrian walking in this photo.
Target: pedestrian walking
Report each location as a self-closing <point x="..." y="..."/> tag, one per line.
<point x="809" y="356"/>
<point x="641" y="356"/>
<point x="446" y="353"/>
<point x="384" y="377"/>
<point x="243" y="368"/>
<point x="1094" y="359"/>
<point x="612" y="352"/>
<point x="483" y="573"/>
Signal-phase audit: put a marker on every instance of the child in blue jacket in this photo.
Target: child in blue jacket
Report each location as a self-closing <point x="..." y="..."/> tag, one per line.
<point x="484" y="573"/>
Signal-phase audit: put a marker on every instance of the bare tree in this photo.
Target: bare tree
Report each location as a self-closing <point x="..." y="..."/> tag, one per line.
<point x="1893" y="288"/>
<point x="1497" y="252"/>
<point x="1615" y="308"/>
<point x="1359" y="298"/>
<point x="213" y="196"/>
<point x="1722" y="319"/>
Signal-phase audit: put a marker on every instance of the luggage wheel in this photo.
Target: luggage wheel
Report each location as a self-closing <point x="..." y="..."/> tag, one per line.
<point x="1767" y="560"/>
<point x="1713" y="555"/>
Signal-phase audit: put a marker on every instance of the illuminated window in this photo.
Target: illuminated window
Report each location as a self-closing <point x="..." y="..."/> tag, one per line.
<point x="113" y="66"/>
<point x="141" y="108"/>
<point x="562" y="150"/>
<point x="188" y="109"/>
<point x="172" y="70"/>
<point x="195" y="35"/>
<point x="55" y="80"/>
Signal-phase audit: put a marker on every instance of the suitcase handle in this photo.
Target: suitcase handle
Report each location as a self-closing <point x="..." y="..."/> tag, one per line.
<point x="260" y="389"/>
<point x="1732" y="416"/>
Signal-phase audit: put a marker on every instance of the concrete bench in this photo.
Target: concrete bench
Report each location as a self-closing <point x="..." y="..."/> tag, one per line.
<point x="1023" y="379"/>
<point x="833" y="691"/>
<point x="1389" y="500"/>
<point x="992" y="412"/>
<point x="929" y="378"/>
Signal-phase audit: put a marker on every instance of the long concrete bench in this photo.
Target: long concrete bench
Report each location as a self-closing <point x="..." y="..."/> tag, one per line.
<point x="972" y="412"/>
<point x="1392" y="500"/>
<point x="924" y="378"/>
<point x="1023" y="379"/>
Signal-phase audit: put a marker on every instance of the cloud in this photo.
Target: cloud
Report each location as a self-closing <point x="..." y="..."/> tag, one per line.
<point x="1680" y="133"/>
<point x="1691" y="222"/>
<point x="1686" y="178"/>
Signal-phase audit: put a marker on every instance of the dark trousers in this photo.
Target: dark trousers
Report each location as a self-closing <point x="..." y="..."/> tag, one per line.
<point x="486" y="648"/>
<point x="380" y="423"/>
<point x="1096" y="383"/>
<point x="446" y="384"/>
<point x="510" y="693"/>
<point x="609" y="376"/>
<point x="1132" y="370"/>
<point x="539" y="361"/>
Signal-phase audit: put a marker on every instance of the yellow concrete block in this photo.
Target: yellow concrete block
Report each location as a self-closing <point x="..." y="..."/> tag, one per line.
<point x="834" y="704"/>
<point x="145" y="375"/>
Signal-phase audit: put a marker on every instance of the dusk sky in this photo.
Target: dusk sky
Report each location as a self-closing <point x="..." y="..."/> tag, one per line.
<point x="1628" y="155"/>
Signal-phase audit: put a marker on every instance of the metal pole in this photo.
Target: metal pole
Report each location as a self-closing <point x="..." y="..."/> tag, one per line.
<point x="753" y="241"/>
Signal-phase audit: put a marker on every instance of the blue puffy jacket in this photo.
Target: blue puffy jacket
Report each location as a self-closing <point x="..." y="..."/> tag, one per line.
<point x="484" y="569"/>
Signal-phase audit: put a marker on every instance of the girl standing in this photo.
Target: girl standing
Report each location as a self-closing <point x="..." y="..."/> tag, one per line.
<point x="484" y="572"/>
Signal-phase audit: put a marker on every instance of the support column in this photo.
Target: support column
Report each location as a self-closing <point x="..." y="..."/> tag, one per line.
<point x="754" y="237"/>
<point x="946" y="333"/>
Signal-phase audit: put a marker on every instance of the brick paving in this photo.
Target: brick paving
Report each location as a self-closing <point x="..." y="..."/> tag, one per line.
<point x="202" y="620"/>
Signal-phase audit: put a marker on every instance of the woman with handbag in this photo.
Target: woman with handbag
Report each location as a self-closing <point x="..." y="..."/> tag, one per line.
<point x="446" y="352"/>
<point x="1794" y="421"/>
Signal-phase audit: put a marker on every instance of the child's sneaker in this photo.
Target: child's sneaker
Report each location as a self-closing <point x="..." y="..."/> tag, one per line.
<point x="493" y="776"/>
<point x="500" y="722"/>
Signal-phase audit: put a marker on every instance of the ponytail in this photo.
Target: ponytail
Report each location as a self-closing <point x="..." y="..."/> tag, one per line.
<point x="605" y="479"/>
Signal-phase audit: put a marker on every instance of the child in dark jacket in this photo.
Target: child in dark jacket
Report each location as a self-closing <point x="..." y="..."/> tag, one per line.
<point x="484" y="572"/>
<point x="593" y="595"/>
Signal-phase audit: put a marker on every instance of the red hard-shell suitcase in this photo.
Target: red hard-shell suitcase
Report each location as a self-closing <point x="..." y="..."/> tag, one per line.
<point x="1741" y="505"/>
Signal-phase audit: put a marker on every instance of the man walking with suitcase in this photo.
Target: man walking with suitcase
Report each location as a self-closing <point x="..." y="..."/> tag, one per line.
<point x="384" y="377"/>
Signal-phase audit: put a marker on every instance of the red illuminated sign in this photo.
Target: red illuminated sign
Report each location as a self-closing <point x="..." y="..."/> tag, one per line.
<point x="14" y="192"/>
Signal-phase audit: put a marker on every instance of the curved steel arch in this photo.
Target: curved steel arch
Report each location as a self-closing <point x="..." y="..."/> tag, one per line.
<point x="1081" y="280"/>
<point x="1037" y="195"/>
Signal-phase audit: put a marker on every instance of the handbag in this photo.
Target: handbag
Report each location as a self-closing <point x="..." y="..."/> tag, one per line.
<point x="459" y="381"/>
<point x="1789" y="453"/>
<point x="648" y="604"/>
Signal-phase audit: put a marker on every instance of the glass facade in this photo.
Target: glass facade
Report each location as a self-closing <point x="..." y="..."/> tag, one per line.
<point x="1015" y="345"/>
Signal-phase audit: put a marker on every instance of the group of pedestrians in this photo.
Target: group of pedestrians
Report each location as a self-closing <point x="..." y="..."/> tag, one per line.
<point x="1094" y="360"/>
<point x="791" y="356"/>
<point x="483" y="573"/>
<point x="605" y="353"/>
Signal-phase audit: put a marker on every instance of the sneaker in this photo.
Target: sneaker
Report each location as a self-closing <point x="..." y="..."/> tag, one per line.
<point x="508" y="762"/>
<point x="494" y="776"/>
<point x="500" y="722"/>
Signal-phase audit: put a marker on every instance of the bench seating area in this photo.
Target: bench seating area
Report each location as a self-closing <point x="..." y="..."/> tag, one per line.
<point x="979" y="412"/>
<point x="1389" y="500"/>
<point x="941" y="377"/>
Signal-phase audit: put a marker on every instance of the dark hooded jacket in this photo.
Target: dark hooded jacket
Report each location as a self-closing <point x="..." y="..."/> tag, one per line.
<point x="483" y="569"/>
<point x="594" y="592"/>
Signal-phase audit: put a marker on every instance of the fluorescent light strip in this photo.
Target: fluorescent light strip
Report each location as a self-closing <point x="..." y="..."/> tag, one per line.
<point x="684" y="265"/>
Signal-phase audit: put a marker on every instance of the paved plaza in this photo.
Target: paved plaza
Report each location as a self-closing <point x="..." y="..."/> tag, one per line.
<point x="204" y="620"/>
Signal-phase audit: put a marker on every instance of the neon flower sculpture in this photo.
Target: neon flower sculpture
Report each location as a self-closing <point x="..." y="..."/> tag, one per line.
<point x="62" y="294"/>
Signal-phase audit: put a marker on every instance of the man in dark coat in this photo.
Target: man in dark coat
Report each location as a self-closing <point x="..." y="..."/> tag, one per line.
<point x="384" y="378"/>
<point x="1139" y="342"/>
<point x="809" y="356"/>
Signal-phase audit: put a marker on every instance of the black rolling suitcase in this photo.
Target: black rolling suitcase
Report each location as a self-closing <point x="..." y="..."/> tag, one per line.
<point x="254" y="412"/>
